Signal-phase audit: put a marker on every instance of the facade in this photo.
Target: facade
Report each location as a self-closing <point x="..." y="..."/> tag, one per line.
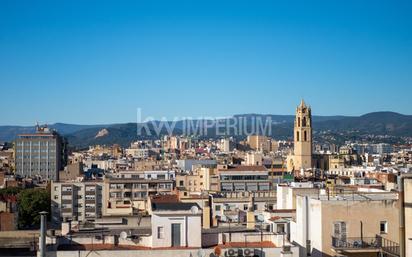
<point x="138" y="153"/>
<point x="176" y="225"/>
<point x="196" y="181"/>
<point x="147" y="174"/>
<point x="8" y="212"/>
<point x="71" y="172"/>
<point x="40" y="154"/>
<point x="286" y="194"/>
<point x="81" y="201"/>
<point x="254" y="158"/>
<point x="226" y="145"/>
<point x="189" y="164"/>
<point x="233" y="206"/>
<point x="406" y="213"/>
<point x="382" y="148"/>
<point x="128" y="196"/>
<point x="347" y="225"/>
<point x="244" y="178"/>
<point x="258" y="142"/>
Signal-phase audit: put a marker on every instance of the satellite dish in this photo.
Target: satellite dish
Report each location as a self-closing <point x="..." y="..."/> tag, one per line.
<point x="123" y="235"/>
<point x="200" y="253"/>
<point x="194" y="210"/>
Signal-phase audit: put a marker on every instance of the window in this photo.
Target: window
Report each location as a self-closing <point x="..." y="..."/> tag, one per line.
<point x="305" y="137"/>
<point x="160" y="233"/>
<point x="339" y="230"/>
<point x="384" y="227"/>
<point x="217" y="207"/>
<point x="297" y="135"/>
<point x="280" y="228"/>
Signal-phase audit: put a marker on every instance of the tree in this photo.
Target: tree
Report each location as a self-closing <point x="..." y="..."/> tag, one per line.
<point x="30" y="203"/>
<point x="10" y="191"/>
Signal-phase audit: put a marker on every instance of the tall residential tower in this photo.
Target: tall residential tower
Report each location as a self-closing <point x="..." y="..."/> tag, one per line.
<point x="40" y="154"/>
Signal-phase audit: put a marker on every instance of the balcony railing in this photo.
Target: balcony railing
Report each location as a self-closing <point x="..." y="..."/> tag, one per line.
<point x="366" y="243"/>
<point x="389" y="246"/>
<point x="355" y="243"/>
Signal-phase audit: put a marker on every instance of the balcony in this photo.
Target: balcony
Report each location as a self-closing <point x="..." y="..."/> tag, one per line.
<point x="66" y="201"/>
<point x="365" y="245"/>
<point x="90" y="209"/>
<point x="66" y="210"/>
<point x="67" y="192"/>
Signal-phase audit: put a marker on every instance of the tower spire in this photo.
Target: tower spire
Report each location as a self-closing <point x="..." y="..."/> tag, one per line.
<point x="302" y="103"/>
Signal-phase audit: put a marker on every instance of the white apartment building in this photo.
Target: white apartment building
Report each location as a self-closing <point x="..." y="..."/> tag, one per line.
<point x="81" y="201"/>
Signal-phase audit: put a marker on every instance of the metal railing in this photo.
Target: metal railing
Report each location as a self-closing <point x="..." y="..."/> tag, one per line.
<point x="377" y="242"/>
<point x="389" y="246"/>
<point x="356" y="243"/>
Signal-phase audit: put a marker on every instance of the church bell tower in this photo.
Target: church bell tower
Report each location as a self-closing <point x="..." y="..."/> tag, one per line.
<point x="303" y="138"/>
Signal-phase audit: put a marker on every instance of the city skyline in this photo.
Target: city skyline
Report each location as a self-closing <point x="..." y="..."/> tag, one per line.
<point x="210" y="128"/>
<point x="96" y="63"/>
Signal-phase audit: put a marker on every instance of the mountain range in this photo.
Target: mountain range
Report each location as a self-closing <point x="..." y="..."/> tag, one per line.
<point x="79" y="136"/>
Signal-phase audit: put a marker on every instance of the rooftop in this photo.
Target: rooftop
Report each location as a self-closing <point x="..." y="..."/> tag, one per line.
<point x="173" y="206"/>
<point x="245" y="168"/>
<point x="356" y="196"/>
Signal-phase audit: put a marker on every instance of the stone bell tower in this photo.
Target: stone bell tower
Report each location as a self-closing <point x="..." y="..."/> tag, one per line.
<point x="303" y="138"/>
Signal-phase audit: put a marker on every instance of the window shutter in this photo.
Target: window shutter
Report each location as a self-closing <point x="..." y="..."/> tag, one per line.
<point x="343" y="230"/>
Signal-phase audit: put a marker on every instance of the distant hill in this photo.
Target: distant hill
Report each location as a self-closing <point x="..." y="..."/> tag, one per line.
<point x="9" y="133"/>
<point x="377" y="123"/>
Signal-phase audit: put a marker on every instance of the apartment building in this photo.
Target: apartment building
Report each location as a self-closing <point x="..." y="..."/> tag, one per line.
<point x="40" y="154"/>
<point x="352" y="224"/>
<point x="146" y="174"/>
<point x="128" y="196"/>
<point x="244" y="178"/>
<point x="81" y="201"/>
<point x="259" y="142"/>
<point x="194" y="182"/>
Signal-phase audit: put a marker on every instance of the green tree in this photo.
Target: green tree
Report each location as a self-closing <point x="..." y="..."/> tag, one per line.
<point x="10" y="191"/>
<point x="30" y="203"/>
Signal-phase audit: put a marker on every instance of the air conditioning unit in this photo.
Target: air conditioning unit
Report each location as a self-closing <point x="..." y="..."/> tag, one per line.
<point x="248" y="252"/>
<point x="233" y="252"/>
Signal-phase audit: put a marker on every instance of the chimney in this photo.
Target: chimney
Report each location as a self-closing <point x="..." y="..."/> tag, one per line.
<point x="43" y="230"/>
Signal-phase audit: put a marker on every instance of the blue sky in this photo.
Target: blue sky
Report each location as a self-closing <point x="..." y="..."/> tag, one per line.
<point x="91" y="62"/>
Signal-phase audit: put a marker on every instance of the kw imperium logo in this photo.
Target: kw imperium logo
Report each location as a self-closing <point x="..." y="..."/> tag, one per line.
<point x="204" y="126"/>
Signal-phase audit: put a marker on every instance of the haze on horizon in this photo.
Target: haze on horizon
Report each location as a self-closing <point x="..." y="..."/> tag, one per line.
<point x="97" y="62"/>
